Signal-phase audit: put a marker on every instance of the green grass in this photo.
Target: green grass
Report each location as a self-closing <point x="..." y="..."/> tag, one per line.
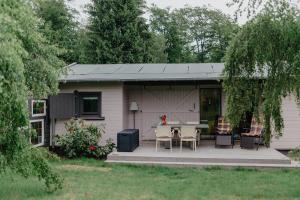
<point x="92" y="179"/>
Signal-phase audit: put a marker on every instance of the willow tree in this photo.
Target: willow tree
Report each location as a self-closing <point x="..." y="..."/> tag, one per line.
<point x="263" y="66"/>
<point x="29" y="66"/>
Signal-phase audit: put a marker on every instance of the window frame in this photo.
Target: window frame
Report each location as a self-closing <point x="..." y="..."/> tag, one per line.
<point x="43" y="132"/>
<point x="97" y="114"/>
<point x="40" y="114"/>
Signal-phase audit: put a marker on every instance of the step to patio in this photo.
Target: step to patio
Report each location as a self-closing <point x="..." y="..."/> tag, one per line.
<point x="119" y="157"/>
<point x="207" y="165"/>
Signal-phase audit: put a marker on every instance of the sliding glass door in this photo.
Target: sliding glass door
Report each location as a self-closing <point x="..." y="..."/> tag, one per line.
<point x="210" y="107"/>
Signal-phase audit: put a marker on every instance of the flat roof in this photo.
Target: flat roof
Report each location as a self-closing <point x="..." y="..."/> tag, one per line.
<point x="143" y="72"/>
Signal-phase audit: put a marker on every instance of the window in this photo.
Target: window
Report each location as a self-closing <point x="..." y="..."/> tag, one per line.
<point x="90" y="104"/>
<point x="38" y="138"/>
<point x="38" y="108"/>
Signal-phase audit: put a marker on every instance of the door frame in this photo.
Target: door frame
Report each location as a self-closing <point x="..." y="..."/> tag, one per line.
<point x="215" y="87"/>
<point x="206" y="88"/>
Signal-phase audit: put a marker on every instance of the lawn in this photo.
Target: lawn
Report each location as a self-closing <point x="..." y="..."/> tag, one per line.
<point x="92" y="179"/>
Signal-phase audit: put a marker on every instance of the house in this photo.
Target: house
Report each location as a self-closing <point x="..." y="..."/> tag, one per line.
<point x="102" y="94"/>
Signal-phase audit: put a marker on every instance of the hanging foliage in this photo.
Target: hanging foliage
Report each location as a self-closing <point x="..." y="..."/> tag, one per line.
<point x="263" y="66"/>
<point x="28" y="66"/>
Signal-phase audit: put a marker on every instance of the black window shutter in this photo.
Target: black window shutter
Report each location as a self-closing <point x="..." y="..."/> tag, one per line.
<point x="62" y="106"/>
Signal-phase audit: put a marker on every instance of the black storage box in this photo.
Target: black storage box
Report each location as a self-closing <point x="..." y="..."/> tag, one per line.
<point x="128" y="140"/>
<point x="248" y="142"/>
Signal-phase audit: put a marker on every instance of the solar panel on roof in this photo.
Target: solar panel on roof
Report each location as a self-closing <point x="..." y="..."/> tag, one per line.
<point x="105" y="69"/>
<point x="144" y="72"/>
<point x="200" y="68"/>
<point x="129" y="69"/>
<point x="152" y="68"/>
<point x="176" y="69"/>
<point x="79" y="69"/>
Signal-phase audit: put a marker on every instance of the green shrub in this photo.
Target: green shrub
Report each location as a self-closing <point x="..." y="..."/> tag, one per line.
<point x="48" y="154"/>
<point x="82" y="140"/>
<point x="295" y="154"/>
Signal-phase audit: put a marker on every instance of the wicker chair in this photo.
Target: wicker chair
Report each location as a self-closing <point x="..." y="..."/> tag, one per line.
<point x="164" y="134"/>
<point x="253" y="137"/>
<point x="223" y="133"/>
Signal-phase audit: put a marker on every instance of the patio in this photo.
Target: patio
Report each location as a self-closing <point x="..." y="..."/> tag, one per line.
<point x="205" y="155"/>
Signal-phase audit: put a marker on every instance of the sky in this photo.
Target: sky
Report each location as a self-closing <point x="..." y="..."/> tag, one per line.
<point x="217" y="4"/>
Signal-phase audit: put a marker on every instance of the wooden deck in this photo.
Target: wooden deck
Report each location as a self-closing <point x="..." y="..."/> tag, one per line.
<point x="205" y="155"/>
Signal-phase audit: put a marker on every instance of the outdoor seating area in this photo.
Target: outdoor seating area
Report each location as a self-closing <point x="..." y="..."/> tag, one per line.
<point x="205" y="155"/>
<point x="184" y="132"/>
<point x="191" y="132"/>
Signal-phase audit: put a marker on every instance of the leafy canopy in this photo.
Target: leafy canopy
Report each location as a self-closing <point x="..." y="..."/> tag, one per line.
<point x="117" y="32"/>
<point x="263" y="66"/>
<point x="59" y="27"/>
<point x="29" y="66"/>
<point x="193" y="34"/>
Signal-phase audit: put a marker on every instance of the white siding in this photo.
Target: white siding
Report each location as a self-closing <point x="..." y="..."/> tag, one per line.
<point x="112" y="106"/>
<point x="125" y="109"/>
<point x="179" y="103"/>
<point x="291" y="134"/>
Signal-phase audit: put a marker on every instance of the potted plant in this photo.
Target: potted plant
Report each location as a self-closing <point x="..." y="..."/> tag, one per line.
<point x="163" y="119"/>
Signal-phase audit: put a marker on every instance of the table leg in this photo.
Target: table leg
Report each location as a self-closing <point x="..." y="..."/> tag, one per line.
<point x="199" y="135"/>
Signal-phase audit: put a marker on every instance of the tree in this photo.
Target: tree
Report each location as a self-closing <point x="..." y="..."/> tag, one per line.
<point x="193" y="34"/>
<point x="59" y="26"/>
<point x="157" y="49"/>
<point x="29" y="66"/>
<point x="252" y="7"/>
<point x="163" y="23"/>
<point x="210" y="32"/>
<point x="81" y="46"/>
<point x="263" y="66"/>
<point x="117" y="32"/>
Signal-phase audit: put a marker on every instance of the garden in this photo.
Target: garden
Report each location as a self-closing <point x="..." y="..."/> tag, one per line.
<point x="93" y="179"/>
<point x="39" y="38"/>
<point x="83" y="174"/>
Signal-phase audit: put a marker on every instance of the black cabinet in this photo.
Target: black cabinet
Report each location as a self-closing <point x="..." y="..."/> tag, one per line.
<point x="128" y="140"/>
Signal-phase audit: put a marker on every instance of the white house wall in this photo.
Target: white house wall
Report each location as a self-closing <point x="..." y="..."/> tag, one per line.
<point x="112" y="106"/>
<point x="178" y="102"/>
<point x="291" y="132"/>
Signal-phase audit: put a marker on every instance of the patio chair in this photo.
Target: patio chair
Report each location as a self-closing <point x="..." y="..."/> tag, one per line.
<point x="254" y="136"/>
<point x="164" y="134"/>
<point x="223" y="133"/>
<point x="198" y="130"/>
<point x="188" y="134"/>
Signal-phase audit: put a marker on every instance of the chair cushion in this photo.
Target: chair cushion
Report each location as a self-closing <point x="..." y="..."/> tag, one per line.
<point x="255" y="130"/>
<point x="223" y="127"/>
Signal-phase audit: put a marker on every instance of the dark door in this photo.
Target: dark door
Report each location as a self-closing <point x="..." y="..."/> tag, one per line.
<point x="210" y="107"/>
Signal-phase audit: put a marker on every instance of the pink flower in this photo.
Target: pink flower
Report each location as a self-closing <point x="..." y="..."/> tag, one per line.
<point x="92" y="148"/>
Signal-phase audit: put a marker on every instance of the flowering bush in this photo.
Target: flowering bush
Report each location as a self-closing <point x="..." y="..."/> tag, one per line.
<point x="82" y="140"/>
<point x="163" y="119"/>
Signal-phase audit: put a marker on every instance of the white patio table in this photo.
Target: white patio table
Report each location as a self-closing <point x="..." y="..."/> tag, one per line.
<point x="199" y="127"/>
